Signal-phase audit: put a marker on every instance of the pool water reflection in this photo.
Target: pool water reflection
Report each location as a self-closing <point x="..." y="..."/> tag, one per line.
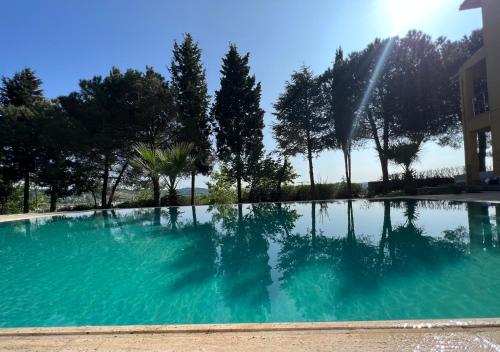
<point x="319" y="261"/>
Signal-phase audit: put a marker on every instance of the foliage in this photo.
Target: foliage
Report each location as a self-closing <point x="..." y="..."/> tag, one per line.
<point x="148" y="162"/>
<point x="175" y="163"/>
<point x="239" y="120"/>
<point x="301" y="125"/>
<point x="325" y="191"/>
<point x="20" y="96"/>
<point x="221" y="188"/>
<point x="414" y="96"/>
<point x="405" y="154"/>
<point x="189" y="86"/>
<point x="12" y="201"/>
<point x="342" y="89"/>
<point x="267" y="178"/>
<point x="115" y="112"/>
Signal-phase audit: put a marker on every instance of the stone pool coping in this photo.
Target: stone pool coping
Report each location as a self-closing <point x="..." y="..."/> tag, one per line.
<point x="411" y="335"/>
<point x="415" y="325"/>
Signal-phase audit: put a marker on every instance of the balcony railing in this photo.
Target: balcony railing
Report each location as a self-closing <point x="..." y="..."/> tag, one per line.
<point x="480" y="104"/>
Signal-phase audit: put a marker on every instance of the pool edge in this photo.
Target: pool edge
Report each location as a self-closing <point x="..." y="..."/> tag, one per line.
<point x="417" y="325"/>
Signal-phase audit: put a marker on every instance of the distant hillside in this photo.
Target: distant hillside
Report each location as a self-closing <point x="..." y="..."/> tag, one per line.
<point x="187" y="191"/>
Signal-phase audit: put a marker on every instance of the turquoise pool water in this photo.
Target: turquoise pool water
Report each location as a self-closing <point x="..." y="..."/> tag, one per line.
<point x="331" y="261"/>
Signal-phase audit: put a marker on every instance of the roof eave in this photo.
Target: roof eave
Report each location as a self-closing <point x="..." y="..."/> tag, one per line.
<point x="470" y="4"/>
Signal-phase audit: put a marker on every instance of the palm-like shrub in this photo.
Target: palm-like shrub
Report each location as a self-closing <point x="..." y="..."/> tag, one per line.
<point x="405" y="154"/>
<point x="176" y="162"/>
<point x="148" y="160"/>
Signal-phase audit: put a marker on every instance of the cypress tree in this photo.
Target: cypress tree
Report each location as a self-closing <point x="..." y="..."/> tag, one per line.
<point x="239" y="120"/>
<point x="189" y="87"/>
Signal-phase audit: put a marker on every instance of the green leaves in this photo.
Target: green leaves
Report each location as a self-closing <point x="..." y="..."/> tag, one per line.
<point x="239" y="120"/>
<point x="173" y="163"/>
<point x="176" y="161"/>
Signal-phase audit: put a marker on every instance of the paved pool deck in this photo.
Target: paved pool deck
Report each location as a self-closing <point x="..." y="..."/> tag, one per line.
<point x="463" y="335"/>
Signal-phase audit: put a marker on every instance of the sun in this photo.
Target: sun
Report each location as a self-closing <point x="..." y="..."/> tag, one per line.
<point x="405" y="14"/>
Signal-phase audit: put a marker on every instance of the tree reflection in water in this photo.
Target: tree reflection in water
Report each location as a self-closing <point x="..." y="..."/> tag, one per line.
<point x="264" y="262"/>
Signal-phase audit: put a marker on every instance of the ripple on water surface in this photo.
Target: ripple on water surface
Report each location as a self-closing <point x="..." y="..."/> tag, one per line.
<point x="323" y="261"/>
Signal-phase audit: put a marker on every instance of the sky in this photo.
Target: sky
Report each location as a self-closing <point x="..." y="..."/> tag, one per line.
<point x="68" y="40"/>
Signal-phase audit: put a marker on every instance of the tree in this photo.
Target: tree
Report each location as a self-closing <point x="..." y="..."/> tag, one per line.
<point x="267" y="176"/>
<point x="453" y="54"/>
<point x="341" y="89"/>
<point x="221" y="188"/>
<point x="19" y="99"/>
<point x="156" y="112"/>
<point x="190" y="90"/>
<point x="405" y="154"/>
<point x="176" y="162"/>
<point x="107" y="108"/>
<point x="414" y="96"/>
<point x="56" y="168"/>
<point x="148" y="161"/>
<point x="239" y="120"/>
<point x="301" y="125"/>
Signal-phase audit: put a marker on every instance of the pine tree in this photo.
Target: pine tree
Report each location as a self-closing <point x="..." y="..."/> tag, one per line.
<point x="238" y="117"/>
<point x="190" y="91"/>
<point x="19" y="98"/>
<point x="301" y="125"/>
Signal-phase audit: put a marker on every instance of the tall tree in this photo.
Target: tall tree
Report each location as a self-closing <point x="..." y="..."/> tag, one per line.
<point x="414" y="96"/>
<point x="239" y="120"/>
<point x="19" y="99"/>
<point x="342" y="100"/>
<point x="301" y="124"/>
<point x="56" y="169"/>
<point x="107" y="109"/>
<point x="190" y="90"/>
<point x="157" y="125"/>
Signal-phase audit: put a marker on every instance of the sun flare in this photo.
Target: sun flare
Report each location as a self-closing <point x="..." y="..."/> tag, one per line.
<point x="408" y="13"/>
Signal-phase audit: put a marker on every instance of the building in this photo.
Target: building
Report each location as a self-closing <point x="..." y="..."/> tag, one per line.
<point x="480" y="91"/>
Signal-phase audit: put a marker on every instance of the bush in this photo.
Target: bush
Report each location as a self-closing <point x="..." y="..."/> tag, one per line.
<point x="377" y="188"/>
<point x="323" y="191"/>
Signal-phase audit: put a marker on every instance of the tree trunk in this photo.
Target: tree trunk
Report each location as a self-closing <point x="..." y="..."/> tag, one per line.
<point x="53" y="202"/>
<point x="280" y="179"/>
<point x="193" y="176"/>
<point x="347" y="168"/>
<point x="240" y="214"/>
<point x="384" y="163"/>
<point x="350" y="221"/>
<point x="311" y="172"/>
<point x="117" y="182"/>
<point x="172" y="193"/>
<point x="26" y="198"/>
<point x="381" y="149"/>
<point x="156" y="191"/>
<point x="238" y="186"/>
<point x="105" y="178"/>
<point x="95" y="198"/>
<point x="239" y="167"/>
<point x="195" y="220"/>
<point x="313" y="226"/>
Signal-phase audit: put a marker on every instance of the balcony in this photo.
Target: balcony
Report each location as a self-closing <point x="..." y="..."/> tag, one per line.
<point x="480" y="104"/>
<point x="480" y="101"/>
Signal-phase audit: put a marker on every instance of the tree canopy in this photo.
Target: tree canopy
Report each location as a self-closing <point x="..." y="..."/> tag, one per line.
<point x="239" y="119"/>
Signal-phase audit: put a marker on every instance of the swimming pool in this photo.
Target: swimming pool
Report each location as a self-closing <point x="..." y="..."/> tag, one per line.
<point x="297" y="262"/>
